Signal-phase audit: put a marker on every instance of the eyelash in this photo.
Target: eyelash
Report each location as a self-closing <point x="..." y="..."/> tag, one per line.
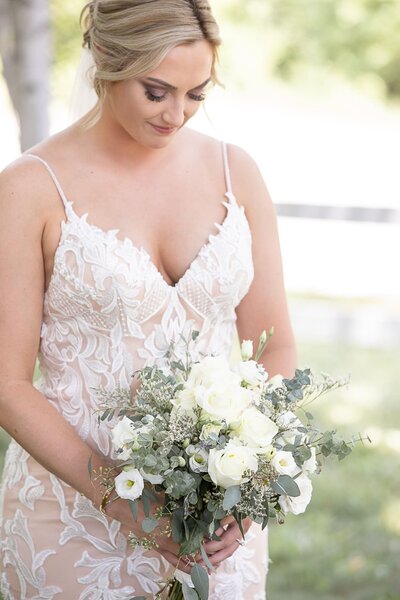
<point x="153" y="98"/>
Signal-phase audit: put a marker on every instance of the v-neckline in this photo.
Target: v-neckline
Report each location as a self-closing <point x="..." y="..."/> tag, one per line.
<point x="231" y="201"/>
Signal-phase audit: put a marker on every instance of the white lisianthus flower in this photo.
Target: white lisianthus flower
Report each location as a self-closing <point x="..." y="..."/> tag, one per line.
<point x="228" y="466"/>
<point x="311" y="465"/>
<point x="252" y="373"/>
<point x="255" y="429"/>
<point x="208" y="429"/>
<point x="225" y="400"/>
<point x="284" y="463"/>
<point x="298" y="505"/>
<point x="129" y="484"/>
<point x="246" y="349"/>
<point x="198" y="461"/>
<point x="124" y="438"/>
<point x="154" y="479"/>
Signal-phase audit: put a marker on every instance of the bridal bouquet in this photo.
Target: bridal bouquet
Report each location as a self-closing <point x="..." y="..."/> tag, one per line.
<point x="214" y="440"/>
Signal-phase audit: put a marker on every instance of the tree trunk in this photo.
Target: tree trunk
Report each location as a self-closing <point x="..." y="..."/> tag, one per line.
<point x="25" y="50"/>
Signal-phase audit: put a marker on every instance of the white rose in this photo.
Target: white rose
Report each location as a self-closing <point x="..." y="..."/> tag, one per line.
<point x="129" y="484"/>
<point x="210" y="370"/>
<point x="225" y="400"/>
<point x="311" y="465"/>
<point x="185" y="400"/>
<point x="298" y="505"/>
<point x="208" y="429"/>
<point x="284" y="463"/>
<point x="252" y="373"/>
<point x="228" y="466"/>
<point x="255" y="429"/>
<point x="246" y="349"/>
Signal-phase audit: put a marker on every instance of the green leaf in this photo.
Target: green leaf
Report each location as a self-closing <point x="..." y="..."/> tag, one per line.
<point x="149" y="524"/>
<point x="146" y="504"/>
<point x="232" y="496"/>
<point x="90" y="466"/>
<point x="138" y="598"/>
<point x="188" y="592"/>
<point x="286" y="486"/>
<point x="177" y="526"/>
<point x="134" y="506"/>
<point x="200" y="580"/>
<point x="206" y="559"/>
<point x="195" y="335"/>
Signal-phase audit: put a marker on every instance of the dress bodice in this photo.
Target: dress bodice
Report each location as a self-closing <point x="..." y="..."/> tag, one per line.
<point x="108" y="310"/>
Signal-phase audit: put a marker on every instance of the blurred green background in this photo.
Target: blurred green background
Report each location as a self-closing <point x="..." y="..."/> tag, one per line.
<point x="323" y="79"/>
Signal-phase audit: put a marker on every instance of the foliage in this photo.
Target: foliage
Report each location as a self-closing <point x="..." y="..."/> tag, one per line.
<point x="357" y="39"/>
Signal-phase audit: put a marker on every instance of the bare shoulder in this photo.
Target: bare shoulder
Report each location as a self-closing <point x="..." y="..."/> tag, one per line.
<point x="247" y="181"/>
<point x="26" y="188"/>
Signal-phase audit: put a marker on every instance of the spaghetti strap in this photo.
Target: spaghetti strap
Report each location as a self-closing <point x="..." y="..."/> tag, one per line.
<point x="229" y="191"/>
<point x="54" y="178"/>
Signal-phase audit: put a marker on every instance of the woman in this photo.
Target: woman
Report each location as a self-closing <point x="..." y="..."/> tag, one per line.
<point x="100" y="269"/>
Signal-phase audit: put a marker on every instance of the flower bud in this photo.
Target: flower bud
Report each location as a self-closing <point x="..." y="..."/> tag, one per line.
<point x="247" y="349"/>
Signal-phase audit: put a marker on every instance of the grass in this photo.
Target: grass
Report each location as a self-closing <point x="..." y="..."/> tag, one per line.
<point x="347" y="544"/>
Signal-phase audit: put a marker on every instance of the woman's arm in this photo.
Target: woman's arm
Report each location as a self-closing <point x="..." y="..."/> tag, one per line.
<point x="24" y="412"/>
<point x="265" y="305"/>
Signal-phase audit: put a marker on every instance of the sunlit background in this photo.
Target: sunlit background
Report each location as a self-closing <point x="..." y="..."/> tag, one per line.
<point x="312" y="90"/>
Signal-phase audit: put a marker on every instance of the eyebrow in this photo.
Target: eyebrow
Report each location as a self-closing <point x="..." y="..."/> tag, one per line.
<point x="171" y="87"/>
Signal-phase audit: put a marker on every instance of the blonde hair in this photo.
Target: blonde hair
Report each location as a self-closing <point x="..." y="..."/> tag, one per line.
<point x="128" y="38"/>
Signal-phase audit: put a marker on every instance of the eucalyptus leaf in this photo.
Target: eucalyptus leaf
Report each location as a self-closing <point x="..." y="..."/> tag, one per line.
<point x="232" y="496"/>
<point x="188" y="592"/>
<point x="200" y="580"/>
<point x="149" y="524"/>
<point x="134" y="506"/>
<point x="206" y="559"/>
<point x="177" y="526"/>
<point x="286" y="486"/>
<point x="146" y="504"/>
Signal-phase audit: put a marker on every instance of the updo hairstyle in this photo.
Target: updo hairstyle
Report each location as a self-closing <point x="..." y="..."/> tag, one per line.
<point x="129" y="38"/>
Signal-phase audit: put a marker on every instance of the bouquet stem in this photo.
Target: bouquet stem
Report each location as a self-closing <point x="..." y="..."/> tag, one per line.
<point x="175" y="592"/>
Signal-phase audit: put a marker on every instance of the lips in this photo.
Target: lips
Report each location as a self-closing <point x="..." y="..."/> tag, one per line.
<point x="163" y="129"/>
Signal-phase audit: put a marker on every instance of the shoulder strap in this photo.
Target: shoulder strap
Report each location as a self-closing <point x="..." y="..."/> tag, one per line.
<point x="53" y="176"/>
<point x="227" y="171"/>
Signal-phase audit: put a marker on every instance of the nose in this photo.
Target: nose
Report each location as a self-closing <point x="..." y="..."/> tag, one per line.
<point x="174" y="113"/>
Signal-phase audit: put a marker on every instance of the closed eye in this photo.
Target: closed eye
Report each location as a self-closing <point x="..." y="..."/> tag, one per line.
<point x="160" y="97"/>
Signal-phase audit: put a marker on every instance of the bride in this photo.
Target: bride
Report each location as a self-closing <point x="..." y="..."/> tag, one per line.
<point x="118" y="235"/>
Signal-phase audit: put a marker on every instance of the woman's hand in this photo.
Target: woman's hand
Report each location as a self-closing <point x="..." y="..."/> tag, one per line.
<point x="119" y="509"/>
<point x="230" y="541"/>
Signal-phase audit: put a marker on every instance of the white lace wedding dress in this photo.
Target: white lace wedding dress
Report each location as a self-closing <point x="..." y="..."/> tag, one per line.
<point x="107" y="312"/>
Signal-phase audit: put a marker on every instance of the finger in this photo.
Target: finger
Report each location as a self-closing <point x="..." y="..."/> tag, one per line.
<point x="177" y="561"/>
<point x="218" y="557"/>
<point x="227" y="520"/>
<point x="227" y="538"/>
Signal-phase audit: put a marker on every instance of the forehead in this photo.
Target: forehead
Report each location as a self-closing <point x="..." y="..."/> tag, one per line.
<point x="187" y="65"/>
